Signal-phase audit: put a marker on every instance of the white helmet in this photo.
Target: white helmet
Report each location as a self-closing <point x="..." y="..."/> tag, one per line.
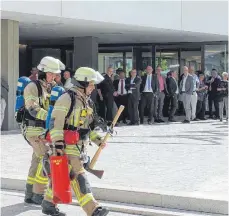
<point x="50" y="64"/>
<point x="86" y="74"/>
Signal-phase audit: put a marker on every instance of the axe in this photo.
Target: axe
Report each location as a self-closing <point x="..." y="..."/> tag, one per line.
<point x="97" y="173"/>
<point x="98" y="152"/>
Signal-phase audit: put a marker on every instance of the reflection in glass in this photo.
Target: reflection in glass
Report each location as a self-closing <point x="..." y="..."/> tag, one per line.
<point x="216" y="57"/>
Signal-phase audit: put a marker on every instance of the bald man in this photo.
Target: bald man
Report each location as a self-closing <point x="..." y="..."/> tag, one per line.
<point x="186" y="91"/>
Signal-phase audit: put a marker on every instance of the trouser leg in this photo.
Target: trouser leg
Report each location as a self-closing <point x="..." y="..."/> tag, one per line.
<point x="226" y="105"/>
<point x="40" y="181"/>
<point x="81" y="186"/>
<point x="203" y="108"/>
<point x="221" y="109"/>
<point x="109" y="101"/>
<point x="193" y="104"/>
<point x="142" y="106"/>
<point x="198" y="108"/>
<point x="216" y="105"/>
<point x="173" y="107"/>
<point x="160" y="104"/>
<point x="187" y="106"/>
<point x="135" y="110"/>
<point x="210" y="103"/>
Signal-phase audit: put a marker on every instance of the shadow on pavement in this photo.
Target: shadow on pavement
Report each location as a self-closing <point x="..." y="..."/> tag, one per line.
<point x="14" y="210"/>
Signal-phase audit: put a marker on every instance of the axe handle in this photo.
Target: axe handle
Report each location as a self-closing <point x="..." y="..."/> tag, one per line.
<point x="98" y="152"/>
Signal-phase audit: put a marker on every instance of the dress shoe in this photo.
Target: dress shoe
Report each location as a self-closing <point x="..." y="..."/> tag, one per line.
<point x="157" y="121"/>
<point x="130" y="123"/>
<point x="161" y="121"/>
<point x="185" y="121"/>
<point x="172" y="120"/>
<point x="202" y="118"/>
<point x="195" y="119"/>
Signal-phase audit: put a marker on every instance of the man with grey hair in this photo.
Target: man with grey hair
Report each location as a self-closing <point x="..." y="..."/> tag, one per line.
<point x="196" y="83"/>
<point x="186" y="91"/>
<point x="223" y="95"/>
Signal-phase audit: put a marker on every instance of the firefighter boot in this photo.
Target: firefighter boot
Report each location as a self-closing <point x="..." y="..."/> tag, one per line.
<point x="37" y="198"/>
<point x="28" y="193"/>
<point x="49" y="208"/>
<point x="100" y="211"/>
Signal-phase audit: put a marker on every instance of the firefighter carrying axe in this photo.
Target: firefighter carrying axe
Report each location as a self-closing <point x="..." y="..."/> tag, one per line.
<point x="98" y="152"/>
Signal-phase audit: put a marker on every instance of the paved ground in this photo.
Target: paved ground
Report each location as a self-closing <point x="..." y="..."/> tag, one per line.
<point x="12" y="204"/>
<point x="169" y="157"/>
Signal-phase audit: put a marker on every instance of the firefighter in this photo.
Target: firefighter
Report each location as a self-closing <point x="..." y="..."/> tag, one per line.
<point x="36" y="97"/>
<point x="79" y="120"/>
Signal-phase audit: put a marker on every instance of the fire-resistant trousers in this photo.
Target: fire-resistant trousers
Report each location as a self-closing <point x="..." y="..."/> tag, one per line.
<point x="79" y="183"/>
<point x="36" y="176"/>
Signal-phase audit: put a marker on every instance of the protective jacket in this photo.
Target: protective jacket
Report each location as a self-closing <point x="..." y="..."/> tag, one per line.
<point x="80" y="119"/>
<point x="37" y="107"/>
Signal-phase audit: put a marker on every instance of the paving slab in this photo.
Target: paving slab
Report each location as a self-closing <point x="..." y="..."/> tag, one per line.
<point x="12" y="205"/>
<point x="172" y="158"/>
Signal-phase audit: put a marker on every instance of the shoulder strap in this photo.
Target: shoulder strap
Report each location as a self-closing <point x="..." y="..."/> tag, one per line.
<point x="72" y="95"/>
<point x="39" y="88"/>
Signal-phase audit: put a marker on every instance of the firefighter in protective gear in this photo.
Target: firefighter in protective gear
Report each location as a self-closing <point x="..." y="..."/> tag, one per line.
<point x="36" y="107"/>
<point x="80" y="119"/>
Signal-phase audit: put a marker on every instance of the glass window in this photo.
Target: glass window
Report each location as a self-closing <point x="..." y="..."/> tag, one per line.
<point x="114" y="60"/>
<point x="167" y="60"/>
<point x="39" y="53"/>
<point x="216" y="57"/>
<point x="129" y="62"/>
<point x="191" y="58"/>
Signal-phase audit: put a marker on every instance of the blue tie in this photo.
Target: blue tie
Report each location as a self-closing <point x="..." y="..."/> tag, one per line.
<point x="149" y="82"/>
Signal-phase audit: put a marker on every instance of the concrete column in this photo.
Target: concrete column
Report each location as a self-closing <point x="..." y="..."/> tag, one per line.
<point x="85" y="52"/>
<point x="10" y="68"/>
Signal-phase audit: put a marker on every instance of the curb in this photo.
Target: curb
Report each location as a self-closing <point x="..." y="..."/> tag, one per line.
<point x="188" y="202"/>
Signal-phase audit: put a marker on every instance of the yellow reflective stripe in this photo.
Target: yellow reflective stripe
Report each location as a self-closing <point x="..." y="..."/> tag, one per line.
<point x="60" y="108"/>
<point x="70" y="152"/>
<point x="75" y="189"/>
<point x="49" y="193"/>
<point x="30" y="97"/>
<point x="85" y="199"/>
<point x="30" y="182"/>
<point x="94" y="135"/>
<point x="39" y="179"/>
<point x="41" y="114"/>
<point x="75" y="118"/>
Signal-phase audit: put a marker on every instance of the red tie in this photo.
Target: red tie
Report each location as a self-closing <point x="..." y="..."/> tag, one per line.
<point x="121" y="87"/>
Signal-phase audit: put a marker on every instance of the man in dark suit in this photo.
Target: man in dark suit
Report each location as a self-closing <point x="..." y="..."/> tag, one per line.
<point x="213" y="83"/>
<point x="106" y="92"/>
<point x="173" y="91"/>
<point x="121" y="95"/>
<point x="132" y="86"/>
<point x="149" y="90"/>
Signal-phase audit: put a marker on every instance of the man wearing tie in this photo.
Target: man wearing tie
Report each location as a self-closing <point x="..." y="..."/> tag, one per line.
<point x="121" y="95"/>
<point x="132" y="86"/>
<point x="149" y="90"/>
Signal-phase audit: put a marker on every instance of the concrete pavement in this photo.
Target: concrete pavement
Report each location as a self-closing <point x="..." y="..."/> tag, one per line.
<point x="182" y="160"/>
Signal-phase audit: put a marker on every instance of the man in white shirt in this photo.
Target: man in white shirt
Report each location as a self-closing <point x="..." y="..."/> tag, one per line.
<point x="121" y="95"/>
<point x="67" y="76"/>
<point x="186" y="90"/>
<point x="149" y="89"/>
<point x="196" y="83"/>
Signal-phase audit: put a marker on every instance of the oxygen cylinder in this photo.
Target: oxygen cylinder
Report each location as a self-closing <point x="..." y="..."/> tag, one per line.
<point x="21" y="84"/>
<point x="60" y="179"/>
<point x="56" y="92"/>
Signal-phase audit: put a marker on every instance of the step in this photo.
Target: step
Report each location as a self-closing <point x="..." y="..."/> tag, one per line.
<point x="181" y="201"/>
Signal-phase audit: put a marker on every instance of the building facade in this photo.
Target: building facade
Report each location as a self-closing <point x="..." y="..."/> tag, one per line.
<point x="127" y="34"/>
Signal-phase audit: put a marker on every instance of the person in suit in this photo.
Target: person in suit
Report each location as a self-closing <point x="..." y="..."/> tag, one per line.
<point x="201" y="93"/>
<point x="213" y="83"/>
<point x="107" y="92"/>
<point x="173" y="91"/>
<point x="132" y="86"/>
<point x="167" y="101"/>
<point x="194" y="97"/>
<point x="149" y="90"/>
<point x="162" y="91"/>
<point x="186" y="91"/>
<point x="121" y="95"/>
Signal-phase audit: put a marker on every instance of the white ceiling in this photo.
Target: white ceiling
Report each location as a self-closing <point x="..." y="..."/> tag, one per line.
<point x="36" y="27"/>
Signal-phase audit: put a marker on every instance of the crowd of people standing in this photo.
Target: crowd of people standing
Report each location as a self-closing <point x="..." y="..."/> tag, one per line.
<point x="156" y="96"/>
